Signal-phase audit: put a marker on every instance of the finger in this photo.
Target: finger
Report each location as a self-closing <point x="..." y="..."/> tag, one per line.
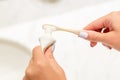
<point x="105" y="30"/>
<point x="98" y="24"/>
<point x="93" y="36"/>
<point x="109" y="47"/>
<point x="51" y="59"/>
<point x="49" y="52"/>
<point x="93" y="44"/>
<point x="37" y="53"/>
<point x="49" y="55"/>
<point x="25" y="78"/>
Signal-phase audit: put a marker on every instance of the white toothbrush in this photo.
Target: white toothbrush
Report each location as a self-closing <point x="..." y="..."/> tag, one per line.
<point x="47" y="40"/>
<point x="55" y="28"/>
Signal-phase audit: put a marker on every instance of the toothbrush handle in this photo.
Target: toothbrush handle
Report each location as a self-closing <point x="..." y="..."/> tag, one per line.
<point x="77" y="32"/>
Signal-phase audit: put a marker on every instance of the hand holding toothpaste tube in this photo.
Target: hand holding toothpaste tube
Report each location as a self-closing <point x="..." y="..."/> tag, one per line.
<point x="43" y="66"/>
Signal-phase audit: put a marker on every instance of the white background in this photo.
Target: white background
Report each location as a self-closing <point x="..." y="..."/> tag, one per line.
<point x="18" y="11"/>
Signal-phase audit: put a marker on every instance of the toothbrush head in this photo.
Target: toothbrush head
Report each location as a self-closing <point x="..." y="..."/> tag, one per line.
<point x="49" y="27"/>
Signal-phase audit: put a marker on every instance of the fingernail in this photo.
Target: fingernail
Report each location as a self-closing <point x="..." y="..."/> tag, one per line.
<point x="83" y="34"/>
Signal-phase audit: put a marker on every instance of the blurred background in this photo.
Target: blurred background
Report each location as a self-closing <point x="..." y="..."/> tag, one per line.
<point x="20" y="28"/>
<point x="21" y="11"/>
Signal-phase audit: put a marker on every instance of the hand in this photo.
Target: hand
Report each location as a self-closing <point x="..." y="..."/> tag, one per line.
<point x="105" y="30"/>
<point x="43" y="67"/>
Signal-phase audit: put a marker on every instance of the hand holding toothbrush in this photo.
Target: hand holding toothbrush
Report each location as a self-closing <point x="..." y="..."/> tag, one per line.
<point x="105" y="30"/>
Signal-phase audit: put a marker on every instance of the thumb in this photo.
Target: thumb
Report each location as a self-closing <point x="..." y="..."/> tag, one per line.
<point x="49" y="52"/>
<point x="50" y="57"/>
<point x="93" y="36"/>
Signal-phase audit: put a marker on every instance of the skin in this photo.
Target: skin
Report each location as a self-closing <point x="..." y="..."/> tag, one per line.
<point x="43" y="66"/>
<point x="105" y="30"/>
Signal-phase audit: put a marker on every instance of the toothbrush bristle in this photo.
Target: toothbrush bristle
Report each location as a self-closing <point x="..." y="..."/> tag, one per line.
<point x="48" y="26"/>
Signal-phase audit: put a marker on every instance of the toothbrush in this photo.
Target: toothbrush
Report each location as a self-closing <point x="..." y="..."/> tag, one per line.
<point x="47" y="40"/>
<point x="55" y="28"/>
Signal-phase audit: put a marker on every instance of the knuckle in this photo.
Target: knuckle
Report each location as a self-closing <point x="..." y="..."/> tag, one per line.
<point x="104" y="38"/>
<point x="98" y="37"/>
<point x="41" y="64"/>
<point x="35" y="49"/>
<point x="29" y="72"/>
<point x="38" y="65"/>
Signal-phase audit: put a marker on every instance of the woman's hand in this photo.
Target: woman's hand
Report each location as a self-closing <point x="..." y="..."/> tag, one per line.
<point x="43" y="66"/>
<point x="105" y="30"/>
